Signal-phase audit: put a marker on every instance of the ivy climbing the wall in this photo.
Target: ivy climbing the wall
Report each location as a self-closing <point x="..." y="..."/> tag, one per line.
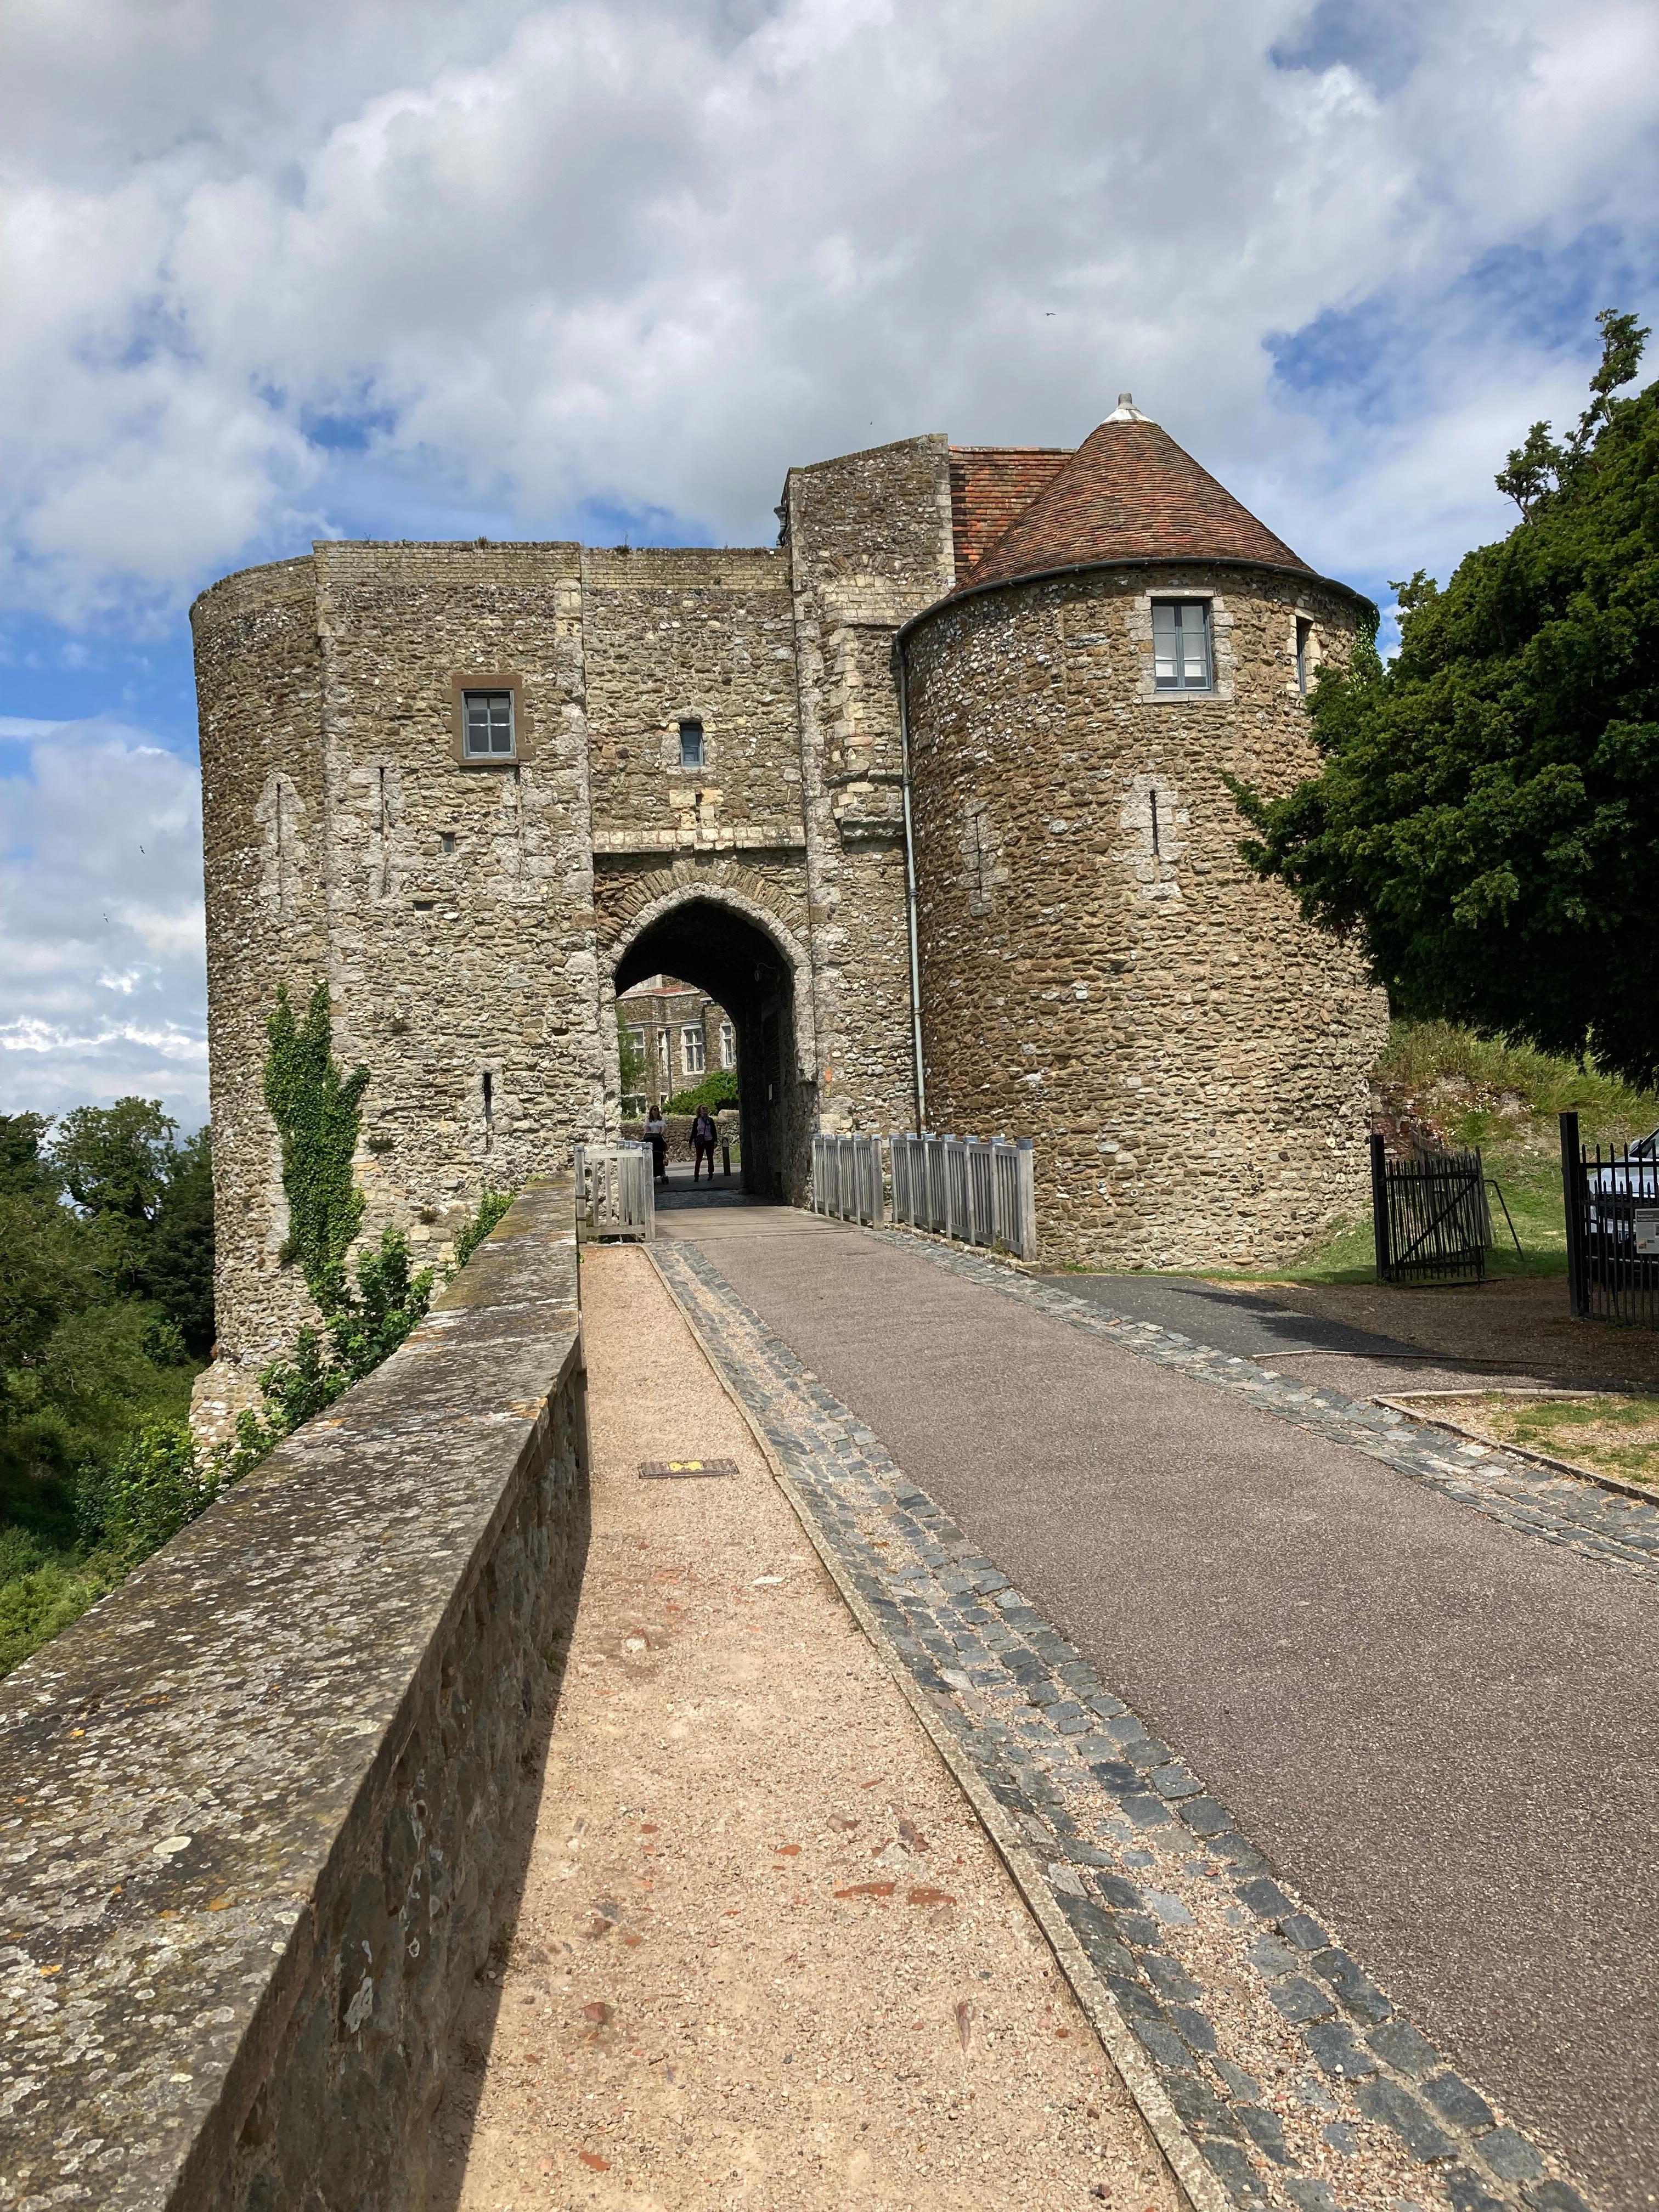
<point x="316" y="1109"/>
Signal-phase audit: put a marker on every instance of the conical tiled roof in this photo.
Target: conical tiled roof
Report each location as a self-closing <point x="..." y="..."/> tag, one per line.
<point x="1128" y="493"/>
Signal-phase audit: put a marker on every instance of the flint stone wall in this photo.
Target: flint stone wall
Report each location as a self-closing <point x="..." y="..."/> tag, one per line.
<point x="469" y="919"/>
<point x="1100" y="970"/>
<point x="255" y="1800"/>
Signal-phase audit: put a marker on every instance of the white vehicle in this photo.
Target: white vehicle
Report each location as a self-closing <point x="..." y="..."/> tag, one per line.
<point x="1622" y="1203"/>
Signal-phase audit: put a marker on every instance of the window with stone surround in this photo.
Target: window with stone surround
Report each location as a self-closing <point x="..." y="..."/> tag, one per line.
<point x="1180" y="645"/>
<point x="487" y="725"/>
<point x="491" y="727"/>
<point x="728" y="1045"/>
<point x="691" y="1050"/>
<point x="691" y="745"/>
<point x="1303" y="637"/>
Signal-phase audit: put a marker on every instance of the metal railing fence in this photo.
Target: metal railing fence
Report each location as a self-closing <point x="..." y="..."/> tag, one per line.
<point x="615" y="1195"/>
<point x="1611" y="1198"/>
<point x="973" y="1192"/>
<point x="848" y="1182"/>
<point x="1430" y="1217"/>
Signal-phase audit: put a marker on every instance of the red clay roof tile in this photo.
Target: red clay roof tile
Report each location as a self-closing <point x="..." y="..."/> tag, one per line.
<point x="990" y="486"/>
<point x="1128" y="493"/>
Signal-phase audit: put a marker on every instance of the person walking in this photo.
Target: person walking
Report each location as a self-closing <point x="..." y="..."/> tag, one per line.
<point x="656" y="1135"/>
<point x="703" y="1134"/>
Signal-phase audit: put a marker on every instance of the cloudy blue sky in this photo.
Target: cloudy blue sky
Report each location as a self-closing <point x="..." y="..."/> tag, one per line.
<point x="400" y="268"/>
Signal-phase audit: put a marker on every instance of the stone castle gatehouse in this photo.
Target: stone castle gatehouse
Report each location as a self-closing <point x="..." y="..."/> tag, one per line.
<point x="483" y="788"/>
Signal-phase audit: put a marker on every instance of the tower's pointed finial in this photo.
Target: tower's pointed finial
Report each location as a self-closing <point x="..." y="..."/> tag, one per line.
<point x="1126" y="411"/>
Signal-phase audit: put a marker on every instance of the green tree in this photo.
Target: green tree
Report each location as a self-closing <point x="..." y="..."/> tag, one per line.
<point x="632" y="1064"/>
<point x="24" y="1166"/>
<point x="316" y="1109"/>
<point x="715" y="1091"/>
<point x="55" y="1267"/>
<point x="1485" y="819"/>
<point x="153" y="1198"/>
<point x="177" y="1268"/>
<point x="115" y="1159"/>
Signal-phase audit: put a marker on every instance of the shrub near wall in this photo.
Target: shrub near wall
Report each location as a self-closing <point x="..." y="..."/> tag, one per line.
<point x="257" y="1797"/>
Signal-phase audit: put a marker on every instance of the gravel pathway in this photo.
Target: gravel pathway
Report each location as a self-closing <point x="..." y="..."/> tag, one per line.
<point x="764" y="1955"/>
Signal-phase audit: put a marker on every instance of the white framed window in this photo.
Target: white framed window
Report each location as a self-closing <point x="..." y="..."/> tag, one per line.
<point x="728" y="1045"/>
<point x="664" y="1057"/>
<point x="691" y="1053"/>
<point x="1180" y="645"/>
<point x="691" y="745"/>
<point x="1303" y="638"/>
<point x="487" y="731"/>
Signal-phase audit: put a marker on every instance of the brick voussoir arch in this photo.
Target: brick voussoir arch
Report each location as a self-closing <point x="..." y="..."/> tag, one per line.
<point x="660" y="893"/>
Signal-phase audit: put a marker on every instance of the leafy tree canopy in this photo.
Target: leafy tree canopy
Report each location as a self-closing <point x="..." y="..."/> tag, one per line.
<point x="715" y="1091"/>
<point x="176" y="1268"/>
<point x="1485" y="820"/>
<point x="114" y="1160"/>
<point x="25" y="1168"/>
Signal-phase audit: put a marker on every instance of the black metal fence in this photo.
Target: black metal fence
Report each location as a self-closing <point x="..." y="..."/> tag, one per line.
<point x="1611" y="1199"/>
<point x="1430" y="1217"/>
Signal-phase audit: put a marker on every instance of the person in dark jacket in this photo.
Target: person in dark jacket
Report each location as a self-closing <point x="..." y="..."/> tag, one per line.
<point x="703" y="1134"/>
<point x="656" y="1135"/>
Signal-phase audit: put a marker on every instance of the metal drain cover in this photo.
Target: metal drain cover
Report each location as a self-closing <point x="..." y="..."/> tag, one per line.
<point x="680" y="1470"/>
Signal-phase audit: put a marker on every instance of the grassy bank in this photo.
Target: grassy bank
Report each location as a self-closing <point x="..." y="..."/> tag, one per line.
<point x="1451" y="1086"/>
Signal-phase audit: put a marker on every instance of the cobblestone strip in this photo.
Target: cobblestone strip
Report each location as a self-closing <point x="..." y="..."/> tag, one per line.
<point x="1620" y="1531"/>
<point x="1295" y="2078"/>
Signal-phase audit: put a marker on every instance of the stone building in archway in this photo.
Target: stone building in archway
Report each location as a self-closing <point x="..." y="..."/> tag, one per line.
<point x="480" y="789"/>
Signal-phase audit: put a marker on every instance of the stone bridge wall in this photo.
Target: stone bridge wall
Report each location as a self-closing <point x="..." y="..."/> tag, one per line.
<point x="256" y="1801"/>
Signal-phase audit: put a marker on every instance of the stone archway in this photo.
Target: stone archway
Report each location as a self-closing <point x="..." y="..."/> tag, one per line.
<point x="720" y="938"/>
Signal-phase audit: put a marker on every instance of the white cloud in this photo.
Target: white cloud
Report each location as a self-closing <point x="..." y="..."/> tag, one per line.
<point x="528" y="258"/>
<point x="650" y="253"/>
<point x="100" y="924"/>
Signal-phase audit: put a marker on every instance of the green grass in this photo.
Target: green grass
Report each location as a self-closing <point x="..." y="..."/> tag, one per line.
<point x="1617" y="1436"/>
<point x="1484" y="1090"/>
<point x="1529" y="1178"/>
<point x="1504" y="1098"/>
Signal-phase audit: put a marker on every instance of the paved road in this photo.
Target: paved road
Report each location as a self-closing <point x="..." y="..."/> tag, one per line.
<point x="1258" y="1325"/>
<point x="1445" y="1733"/>
<point x="1253" y="1323"/>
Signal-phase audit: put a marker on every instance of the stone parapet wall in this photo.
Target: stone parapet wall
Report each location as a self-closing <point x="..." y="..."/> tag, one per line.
<point x="255" y="1800"/>
<point x="1100" y="969"/>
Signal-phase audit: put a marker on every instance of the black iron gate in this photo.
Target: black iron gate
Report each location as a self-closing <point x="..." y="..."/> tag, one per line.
<point x="1429" y="1215"/>
<point x="1611" y="1199"/>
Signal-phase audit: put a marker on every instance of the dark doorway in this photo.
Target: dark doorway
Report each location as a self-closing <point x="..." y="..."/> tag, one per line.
<point x="734" y="961"/>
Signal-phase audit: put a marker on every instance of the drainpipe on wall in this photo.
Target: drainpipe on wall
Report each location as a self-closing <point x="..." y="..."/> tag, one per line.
<point x="910" y="883"/>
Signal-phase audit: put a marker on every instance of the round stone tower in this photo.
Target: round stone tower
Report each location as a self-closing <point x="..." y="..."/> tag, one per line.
<point x="1099" y="969"/>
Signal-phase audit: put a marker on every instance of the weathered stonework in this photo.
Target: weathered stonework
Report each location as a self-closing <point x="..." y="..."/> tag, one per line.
<point x="1100" y="971"/>
<point x="256" y="1800"/>
<point x="475" y="921"/>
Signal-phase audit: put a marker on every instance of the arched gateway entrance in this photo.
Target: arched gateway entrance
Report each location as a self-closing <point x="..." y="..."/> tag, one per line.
<point x="745" y="959"/>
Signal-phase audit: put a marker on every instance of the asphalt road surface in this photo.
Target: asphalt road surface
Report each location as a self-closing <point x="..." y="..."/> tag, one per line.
<point x="1444" y="1732"/>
